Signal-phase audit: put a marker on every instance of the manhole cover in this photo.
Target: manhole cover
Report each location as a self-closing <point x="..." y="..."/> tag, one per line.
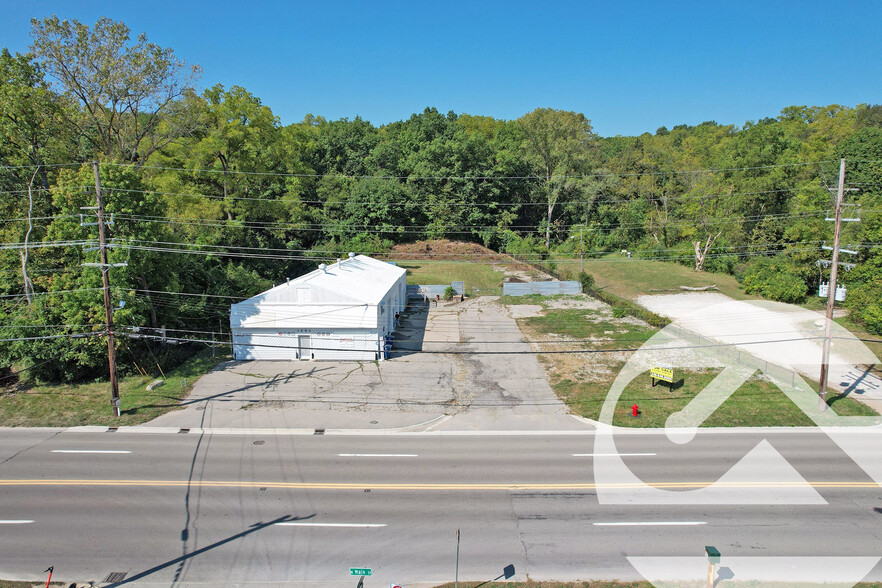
<point x="259" y="442"/>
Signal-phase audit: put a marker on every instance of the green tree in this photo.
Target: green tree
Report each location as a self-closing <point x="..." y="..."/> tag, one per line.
<point x="131" y="94"/>
<point x="559" y="143"/>
<point x="30" y="115"/>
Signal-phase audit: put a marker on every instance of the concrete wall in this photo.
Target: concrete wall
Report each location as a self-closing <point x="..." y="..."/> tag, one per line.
<point x="433" y="290"/>
<point x="543" y="288"/>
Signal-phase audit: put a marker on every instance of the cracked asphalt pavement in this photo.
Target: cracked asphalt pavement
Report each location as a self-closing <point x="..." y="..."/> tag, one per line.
<point x="465" y="358"/>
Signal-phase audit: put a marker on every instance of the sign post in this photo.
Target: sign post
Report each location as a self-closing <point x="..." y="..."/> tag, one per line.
<point x="713" y="558"/>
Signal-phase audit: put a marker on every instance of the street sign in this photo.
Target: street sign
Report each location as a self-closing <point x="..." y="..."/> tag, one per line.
<point x="360" y="571"/>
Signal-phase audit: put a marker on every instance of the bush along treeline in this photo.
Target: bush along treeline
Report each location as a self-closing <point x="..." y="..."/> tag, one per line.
<point x="213" y="199"/>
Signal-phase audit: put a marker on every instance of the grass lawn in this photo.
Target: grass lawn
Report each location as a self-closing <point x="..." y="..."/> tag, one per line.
<point x="579" y="323"/>
<point x="583" y="381"/>
<point x="64" y="405"/>
<point x="757" y="403"/>
<point x="630" y="278"/>
<point x="534" y="584"/>
<point x="618" y="584"/>
<point x="479" y="278"/>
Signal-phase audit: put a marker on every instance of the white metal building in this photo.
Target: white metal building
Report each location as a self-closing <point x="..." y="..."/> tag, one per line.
<point x="339" y="311"/>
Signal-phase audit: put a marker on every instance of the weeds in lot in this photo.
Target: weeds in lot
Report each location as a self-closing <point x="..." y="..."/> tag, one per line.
<point x="582" y="372"/>
<point x="577" y="323"/>
<point x="66" y="405"/>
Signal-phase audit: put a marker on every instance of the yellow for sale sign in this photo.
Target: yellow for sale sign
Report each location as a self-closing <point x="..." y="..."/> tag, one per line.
<point x="663" y="373"/>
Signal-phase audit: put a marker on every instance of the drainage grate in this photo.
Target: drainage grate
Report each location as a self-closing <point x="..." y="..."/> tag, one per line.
<point x="319" y="431"/>
<point x="259" y="442"/>
<point x="115" y="577"/>
<point x="184" y="431"/>
<point x="112" y="429"/>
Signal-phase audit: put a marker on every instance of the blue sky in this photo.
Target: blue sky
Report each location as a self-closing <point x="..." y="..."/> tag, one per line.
<point x="630" y="67"/>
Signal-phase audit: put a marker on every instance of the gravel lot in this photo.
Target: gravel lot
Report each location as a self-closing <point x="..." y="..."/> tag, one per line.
<point x="791" y="336"/>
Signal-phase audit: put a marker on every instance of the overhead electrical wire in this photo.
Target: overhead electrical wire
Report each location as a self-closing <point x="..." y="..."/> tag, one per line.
<point x="413" y="177"/>
<point x="597" y="200"/>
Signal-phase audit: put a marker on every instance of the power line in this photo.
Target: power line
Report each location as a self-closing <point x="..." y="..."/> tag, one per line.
<point x="48" y="337"/>
<point x="598" y="200"/>
<point x="486" y="177"/>
<point x="335" y="227"/>
<point x="482" y="352"/>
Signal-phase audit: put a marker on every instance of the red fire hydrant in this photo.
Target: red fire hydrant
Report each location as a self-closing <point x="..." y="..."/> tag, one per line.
<point x="635" y="411"/>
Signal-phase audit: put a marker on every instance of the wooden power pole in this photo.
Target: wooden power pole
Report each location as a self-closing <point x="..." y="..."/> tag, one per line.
<point x="828" y="324"/>
<point x="105" y="282"/>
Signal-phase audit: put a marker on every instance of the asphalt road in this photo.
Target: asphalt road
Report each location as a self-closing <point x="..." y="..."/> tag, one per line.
<point x="194" y="509"/>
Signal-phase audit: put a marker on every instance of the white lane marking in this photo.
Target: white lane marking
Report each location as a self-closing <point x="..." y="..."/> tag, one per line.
<point x="87" y="451"/>
<point x="339" y="525"/>
<point x="377" y="454"/>
<point x="610" y="454"/>
<point x="16" y="522"/>
<point x="650" y="524"/>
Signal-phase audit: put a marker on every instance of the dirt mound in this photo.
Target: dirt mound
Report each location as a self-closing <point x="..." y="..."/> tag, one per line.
<point x="442" y="249"/>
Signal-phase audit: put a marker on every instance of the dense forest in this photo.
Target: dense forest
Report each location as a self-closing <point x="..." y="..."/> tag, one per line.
<point x="213" y="199"/>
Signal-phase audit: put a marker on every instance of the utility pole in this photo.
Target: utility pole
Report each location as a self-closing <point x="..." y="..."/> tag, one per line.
<point x="105" y="282"/>
<point x="581" y="252"/>
<point x="828" y="324"/>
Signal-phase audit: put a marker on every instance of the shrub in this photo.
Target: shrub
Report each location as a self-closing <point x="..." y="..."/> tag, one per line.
<point x="774" y="278"/>
<point x="587" y="281"/>
<point x="871" y="316"/>
<point x="449" y="293"/>
<point x="864" y="295"/>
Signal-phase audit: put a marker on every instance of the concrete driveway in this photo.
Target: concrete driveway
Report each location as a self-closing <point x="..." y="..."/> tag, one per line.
<point x="467" y="361"/>
<point x="791" y="336"/>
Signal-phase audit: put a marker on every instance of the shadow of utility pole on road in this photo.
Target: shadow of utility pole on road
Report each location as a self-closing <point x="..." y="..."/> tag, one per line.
<point x="253" y="528"/>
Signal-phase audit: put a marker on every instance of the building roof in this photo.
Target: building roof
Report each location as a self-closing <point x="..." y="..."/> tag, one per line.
<point x="355" y="280"/>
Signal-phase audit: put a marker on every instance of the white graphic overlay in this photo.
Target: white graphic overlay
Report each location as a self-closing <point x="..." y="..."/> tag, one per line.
<point x="783" y="343"/>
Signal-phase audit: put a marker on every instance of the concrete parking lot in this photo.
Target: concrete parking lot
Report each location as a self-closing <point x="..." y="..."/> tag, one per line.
<point x="467" y="360"/>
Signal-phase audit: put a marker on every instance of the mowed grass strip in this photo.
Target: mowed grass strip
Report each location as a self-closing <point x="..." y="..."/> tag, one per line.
<point x="479" y="278"/>
<point x="600" y="347"/>
<point x="631" y="278"/>
<point x="757" y="403"/>
<point x="640" y="584"/>
<point x="68" y="405"/>
<point x="535" y="584"/>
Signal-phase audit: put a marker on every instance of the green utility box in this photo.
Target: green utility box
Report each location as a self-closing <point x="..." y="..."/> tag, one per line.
<point x="713" y="554"/>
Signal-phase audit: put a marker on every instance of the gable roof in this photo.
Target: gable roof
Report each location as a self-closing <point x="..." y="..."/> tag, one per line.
<point x="355" y="280"/>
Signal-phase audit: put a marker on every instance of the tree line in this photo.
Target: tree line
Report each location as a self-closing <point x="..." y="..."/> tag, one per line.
<point x="213" y="199"/>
